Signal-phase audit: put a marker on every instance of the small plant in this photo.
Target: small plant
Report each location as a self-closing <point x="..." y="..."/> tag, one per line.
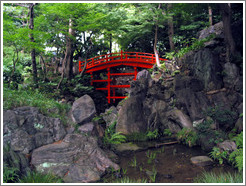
<point x="129" y="180"/>
<point x="10" y="174"/>
<point x="151" y="156"/>
<point x="152" y="134"/>
<point x="36" y="177"/>
<point x="236" y="157"/>
<point x="210" y="177"/>
<point x="187" y="136"/>
<point x="218" y="154"/>
<point x="167" y="132"/>
<point x="152" y="175"/>
<point x="133" y="163"/>
<point x="96" y="118"/>
<point x="112" y="137"/>
<point x="124" y="171"/>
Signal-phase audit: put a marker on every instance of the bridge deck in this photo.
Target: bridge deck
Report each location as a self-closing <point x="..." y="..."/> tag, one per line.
<point x="107" y="61"/>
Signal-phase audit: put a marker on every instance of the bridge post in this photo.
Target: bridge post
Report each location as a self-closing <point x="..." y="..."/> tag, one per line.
<point x="91" y="78"/>
<point x="121" y="54"/>
<point x="108" y="85"/>
<point x="135" y="73"/>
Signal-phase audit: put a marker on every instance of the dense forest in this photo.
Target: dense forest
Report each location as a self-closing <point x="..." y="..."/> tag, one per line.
<point x="42" y="46"/>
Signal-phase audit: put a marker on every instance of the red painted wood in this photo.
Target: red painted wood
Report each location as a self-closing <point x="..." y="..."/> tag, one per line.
<point x="122" y="74"/>
<point x="120" y="86"/>
<point x="107" y="61"/>
<point x="144" y="60"/>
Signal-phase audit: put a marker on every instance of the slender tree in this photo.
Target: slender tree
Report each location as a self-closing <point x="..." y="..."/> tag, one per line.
<point x="170" y="27"/>
<point x="33" y="51"/>
<point x="210" y="15"/>
<point x="226" y="18"/>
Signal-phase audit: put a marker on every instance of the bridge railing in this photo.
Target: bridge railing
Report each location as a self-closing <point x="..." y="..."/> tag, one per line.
<point x="119" y="56"/>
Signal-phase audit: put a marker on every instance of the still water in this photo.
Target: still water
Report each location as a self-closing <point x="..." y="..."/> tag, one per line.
<point x="169" y="164"/>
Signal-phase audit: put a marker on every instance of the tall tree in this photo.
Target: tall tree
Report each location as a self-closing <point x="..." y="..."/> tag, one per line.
<point x="210" y="15"/>
<point x="33" y="52"/>
<point x="170" y="26"/>
<point x="226" y="18"/>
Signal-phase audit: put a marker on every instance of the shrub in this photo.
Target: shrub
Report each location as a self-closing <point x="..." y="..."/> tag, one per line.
<point x="187" y="136"/>
<point x="222" y="116"/>
<point x="218" y="154"/>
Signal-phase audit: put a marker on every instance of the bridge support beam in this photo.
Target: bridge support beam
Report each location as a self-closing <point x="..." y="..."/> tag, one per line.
<point x="135" y="73"/>
<point x="108" y="85"/>
<point x="91" y="78"/>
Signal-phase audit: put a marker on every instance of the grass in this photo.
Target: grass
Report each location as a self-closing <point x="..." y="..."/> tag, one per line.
<point x="211" y="177"/>
<point x="129" y="180"/>
<point x="19" y="98"/>
<point x="35" y="177"/>
<point x="133" y="162"/>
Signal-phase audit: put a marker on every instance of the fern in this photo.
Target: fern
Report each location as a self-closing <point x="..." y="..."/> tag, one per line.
<point x="236" y="157"/>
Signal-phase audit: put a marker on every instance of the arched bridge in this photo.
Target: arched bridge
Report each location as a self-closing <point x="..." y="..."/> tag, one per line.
<point x="107" y="61"/>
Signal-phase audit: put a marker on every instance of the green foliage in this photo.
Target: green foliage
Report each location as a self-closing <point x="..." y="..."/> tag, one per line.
<point x="211" y="177"/>
<point x="133" y="162"/>
<point x="215" y="136"/>
<point x="129" y="180"/>
<point x="140" y="136"/>
<point x="167" y="132"/>
<point x="18" y="98"/>
<point x="187" y="136"/>
<point x="196" y="45"/>
<point x="152" y="175"/>
<point x="218" y="154"/>
<point x="10" y="174"/>
<point x="152" y="134"/>
<point x="36" y="177"/>
<point x="151" y="156"/>
<point x="222" y="116"/>
<point x="137" y="136"/>
<point x="112" y="137"/>
<point x="236" y="157"/>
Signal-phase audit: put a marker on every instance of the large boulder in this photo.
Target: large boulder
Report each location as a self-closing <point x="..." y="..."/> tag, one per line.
<point x="25" y="129"/>
<point x="76" y="159"/>
<point x="130" y="116"/>
<point x="83" y="110"/>
<point x="189" y="96"/>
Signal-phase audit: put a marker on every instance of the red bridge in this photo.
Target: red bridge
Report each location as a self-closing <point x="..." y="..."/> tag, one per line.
<point x="134" y="59"/>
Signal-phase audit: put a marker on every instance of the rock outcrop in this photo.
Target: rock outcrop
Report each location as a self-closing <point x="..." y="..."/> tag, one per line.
<point x="77" y="159"/>
<point x="25" y="129"/>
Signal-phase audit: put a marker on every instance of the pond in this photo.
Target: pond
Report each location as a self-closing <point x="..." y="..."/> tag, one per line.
<point x="166" y="164"/>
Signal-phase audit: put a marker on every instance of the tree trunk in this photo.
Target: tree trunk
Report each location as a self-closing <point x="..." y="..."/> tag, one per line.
<point x="210" y="14"/>
<point x="67" y="64"/>
<point x="226" y="18"/>
<point x="170" y="28"/>
<point x="155" y="49"/>
<point x="14" y="65"/>
<point x="110" y="43"/>
<point x="33" y="52"/>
